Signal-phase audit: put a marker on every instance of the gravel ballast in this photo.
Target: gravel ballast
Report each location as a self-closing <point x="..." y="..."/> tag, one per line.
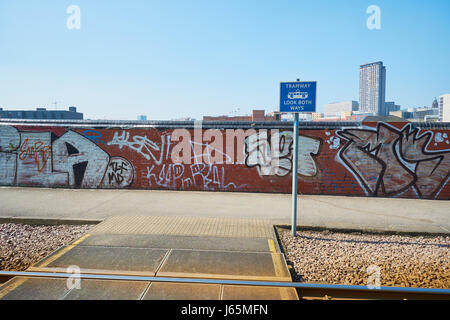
<point x="23" y="245"/>
<point x="368" y="259"/>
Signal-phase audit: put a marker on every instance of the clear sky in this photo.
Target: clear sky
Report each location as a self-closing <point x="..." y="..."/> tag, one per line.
<point x="172" y="59"/>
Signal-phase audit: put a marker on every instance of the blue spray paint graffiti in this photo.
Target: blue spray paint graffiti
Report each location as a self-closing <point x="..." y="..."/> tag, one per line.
<point x="93" y="135"/>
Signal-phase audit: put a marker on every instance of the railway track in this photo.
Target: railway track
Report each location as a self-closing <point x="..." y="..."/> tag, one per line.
<point x="309" y="291"/>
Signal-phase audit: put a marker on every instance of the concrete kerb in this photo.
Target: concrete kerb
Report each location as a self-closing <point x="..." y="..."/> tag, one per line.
<point x="48" y="221"/>
<point x="360" y="231"/>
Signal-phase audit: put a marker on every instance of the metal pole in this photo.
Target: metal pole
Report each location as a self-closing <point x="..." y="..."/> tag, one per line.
<point x="301" y="285"/>
<point x="294" y="176"/>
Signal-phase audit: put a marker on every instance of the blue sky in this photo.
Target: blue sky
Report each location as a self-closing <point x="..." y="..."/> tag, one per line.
<point x="172" y="59"/>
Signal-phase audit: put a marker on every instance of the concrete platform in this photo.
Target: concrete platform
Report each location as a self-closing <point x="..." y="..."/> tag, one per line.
<point x="360" y="213"/>
<point x="142" y="261"/>
<point x="180" y="291"/>
<point x="178" y="242"/>
<point x="23" y="288"/>
<point x="108" y="290"/>
<point x="225" y="265"/>
<point x="220" y="255"/>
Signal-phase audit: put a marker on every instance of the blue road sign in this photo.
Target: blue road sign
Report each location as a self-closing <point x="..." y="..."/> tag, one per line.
<point x="298" y="96"/>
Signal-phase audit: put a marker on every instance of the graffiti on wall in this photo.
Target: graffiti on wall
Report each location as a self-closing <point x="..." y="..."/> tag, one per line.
<point x="119" y="174"/>
<point x="149" y="149"/>
<point x="161" y="172"/>
<point x="201" y="172"/>
<point x="273" y="155"/>
<point x="42" y="159"/>
<point x="388" y="161"/>
<point x="383" y="160"/>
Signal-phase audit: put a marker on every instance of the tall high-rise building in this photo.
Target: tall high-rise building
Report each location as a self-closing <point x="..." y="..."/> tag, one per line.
<point x="372" y="88"/>
<point x="444" y="107"/>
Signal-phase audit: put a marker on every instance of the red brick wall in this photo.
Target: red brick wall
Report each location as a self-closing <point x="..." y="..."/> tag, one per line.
<point x="379" y="159"/>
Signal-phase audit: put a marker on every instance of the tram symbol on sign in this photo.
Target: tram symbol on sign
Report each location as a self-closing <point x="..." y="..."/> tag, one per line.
<point x="298" y="95"/>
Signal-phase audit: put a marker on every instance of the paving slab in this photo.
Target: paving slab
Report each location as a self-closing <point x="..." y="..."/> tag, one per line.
<point x="108" y="290"/>
<point x="178" y="242"/>
<point x="122" y="259"/>
<point x="23" y="288"/>
<point x="182" y="291"/>
<point x="225" y="265"/>
<point x="182" y="225"/>
<point x="234" y="292"/>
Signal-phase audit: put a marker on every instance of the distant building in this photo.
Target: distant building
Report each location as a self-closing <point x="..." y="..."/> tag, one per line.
<point x="358" y="116"/>
<point x="183" y="119"/>
<point x="142" y="117"/>
<point x="42" y="114"/>
<point x="407" y="115"/>
<point x="287" y="116"/>
<point x="275" y="115"/>
<point x="372" y="88"/>
<point x="433" y="118"/>
<point x="421" y="113"/>
<point x="336" y="108"/>
<point x="398" y="113"/>
<point x="257" y="115"/>
<point x="316" y="116"/>
<point x="444" y="107"/>
<point x="435" y="104"/>
<point x="227" y="118"/>
<point x="343" y="116"/>
<point x="328" y="119"/>
<point x="391" y="106"/>
<point x="302" y="116"/>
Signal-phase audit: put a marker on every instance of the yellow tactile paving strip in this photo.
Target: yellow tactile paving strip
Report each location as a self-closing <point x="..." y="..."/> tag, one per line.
<point x="61" y="252"/>
<point x="215" y="227"/>
<point x="11" y="285"/>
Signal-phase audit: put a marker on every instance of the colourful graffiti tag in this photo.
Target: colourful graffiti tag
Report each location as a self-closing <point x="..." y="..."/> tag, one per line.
<point x="37" y="151"/>
<point x="388" y="161"/>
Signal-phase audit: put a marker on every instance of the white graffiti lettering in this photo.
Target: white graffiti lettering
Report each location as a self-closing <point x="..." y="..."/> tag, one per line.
<point x="142" y="145"/>
<point x="273" y="156"/>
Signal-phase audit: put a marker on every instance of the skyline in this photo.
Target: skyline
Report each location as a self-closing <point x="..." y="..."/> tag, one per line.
<point x="209" y="58"/>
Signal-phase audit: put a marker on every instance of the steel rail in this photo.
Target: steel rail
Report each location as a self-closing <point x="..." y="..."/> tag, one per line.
<point x="421" y="292"/>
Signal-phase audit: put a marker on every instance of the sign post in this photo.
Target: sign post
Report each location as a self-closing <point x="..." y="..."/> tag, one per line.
<point x="294" y="176"/>
<point x="297" y="97"/>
